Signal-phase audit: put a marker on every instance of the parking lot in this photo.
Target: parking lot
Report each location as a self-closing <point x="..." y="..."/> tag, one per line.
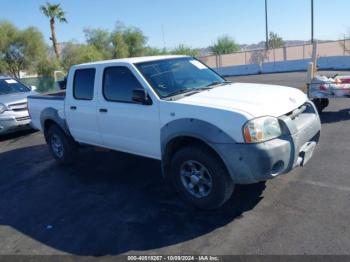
<point x="112" y="203"/>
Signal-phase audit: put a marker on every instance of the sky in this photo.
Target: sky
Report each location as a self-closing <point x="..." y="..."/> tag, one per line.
<point x="196" y="23"/>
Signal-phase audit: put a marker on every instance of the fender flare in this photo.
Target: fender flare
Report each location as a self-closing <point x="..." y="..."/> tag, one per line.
<point x="52" y="115"/>
<point x="206" y="132"/>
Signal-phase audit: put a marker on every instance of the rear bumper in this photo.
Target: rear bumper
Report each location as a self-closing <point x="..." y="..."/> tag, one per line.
<point x="12" y="124"/>
<point x="251" y="163"/>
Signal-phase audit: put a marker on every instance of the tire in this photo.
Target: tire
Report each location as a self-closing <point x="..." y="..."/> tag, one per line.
<point x="321" y="104"/>
<point x="62" y="147"/>
<point x="214" y="187"/>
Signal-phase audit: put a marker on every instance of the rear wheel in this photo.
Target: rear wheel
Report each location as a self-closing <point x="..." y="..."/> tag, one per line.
<point x="200" y="177"/>
<point x="63" y="148"/>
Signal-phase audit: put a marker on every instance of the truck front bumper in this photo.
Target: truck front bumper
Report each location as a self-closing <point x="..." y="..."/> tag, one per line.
<point x="252" y="163"/>
<point x="11" y="124"/>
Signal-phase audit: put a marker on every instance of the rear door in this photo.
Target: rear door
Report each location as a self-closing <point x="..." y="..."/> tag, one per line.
<point x="80" y="105"/>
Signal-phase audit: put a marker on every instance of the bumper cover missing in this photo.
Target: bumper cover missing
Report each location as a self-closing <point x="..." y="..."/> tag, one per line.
<point x="252" y="163"/>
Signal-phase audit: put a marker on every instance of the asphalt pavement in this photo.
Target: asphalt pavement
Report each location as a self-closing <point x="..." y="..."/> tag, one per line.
<point x="113" y="203"/>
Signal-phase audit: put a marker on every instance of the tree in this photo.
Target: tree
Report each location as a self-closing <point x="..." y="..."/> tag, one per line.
<point x="128" y="41"/>
<point x="101" y="39"/>
<point x="121" y="49"/>
<point x="275" y="41"/>
<point x="74" y="54"/>
<point x="225" y="45"/>
<point x="54" y="11"/>
<point x="184" y="50"/>
<point x="20" y="49"/>
<point x="136" y="40"/>
<point x="152" y="51"/>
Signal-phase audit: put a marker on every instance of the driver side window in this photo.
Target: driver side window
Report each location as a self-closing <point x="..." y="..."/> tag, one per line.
<point x="119" y="83"/>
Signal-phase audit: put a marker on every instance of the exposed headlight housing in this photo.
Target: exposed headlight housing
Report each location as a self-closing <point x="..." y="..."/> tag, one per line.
<point x="3" y="108"/>
<point x="261" y="129"/>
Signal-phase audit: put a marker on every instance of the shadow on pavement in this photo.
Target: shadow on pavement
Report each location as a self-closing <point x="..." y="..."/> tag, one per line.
<point x="16" y="135"/>
<point x="329" y="117"/>
<point x="109" y="203"/>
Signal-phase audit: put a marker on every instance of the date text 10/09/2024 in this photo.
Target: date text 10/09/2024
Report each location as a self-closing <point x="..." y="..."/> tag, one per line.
<point x="173" y="258"/>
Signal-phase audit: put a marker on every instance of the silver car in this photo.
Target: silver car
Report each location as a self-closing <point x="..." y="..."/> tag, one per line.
<point x="13" y="105"/>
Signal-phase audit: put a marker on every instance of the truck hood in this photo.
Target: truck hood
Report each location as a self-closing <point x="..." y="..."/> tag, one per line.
<point x="254" y="99"/>
<point x="16" y="98"/>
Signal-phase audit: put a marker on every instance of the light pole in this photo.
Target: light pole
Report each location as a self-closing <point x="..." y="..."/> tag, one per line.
<point x="312" y="21"/>
<point x="266" y="27"/>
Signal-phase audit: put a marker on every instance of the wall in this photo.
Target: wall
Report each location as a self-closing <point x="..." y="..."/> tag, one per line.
<point x="292" y="58"/>
<point x="323" y="63"/>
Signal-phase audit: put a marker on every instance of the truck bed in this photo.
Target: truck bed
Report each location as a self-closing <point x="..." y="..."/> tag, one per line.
<point x="52" y="95"/>
<point x="38" y="103"/>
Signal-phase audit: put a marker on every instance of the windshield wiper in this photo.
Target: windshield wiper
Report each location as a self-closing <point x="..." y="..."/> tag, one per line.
<point x="215" y="83"/>
<point x="198" y="89"/>
<point x="182" y="91"/>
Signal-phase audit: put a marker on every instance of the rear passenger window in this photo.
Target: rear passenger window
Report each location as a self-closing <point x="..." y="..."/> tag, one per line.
<point x="118" y="84"/>
<point x="83" y="86"/>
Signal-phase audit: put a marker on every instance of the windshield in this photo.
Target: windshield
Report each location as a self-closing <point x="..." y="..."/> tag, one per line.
<point x="12" y="86"/>
<point x="170" y="77"/>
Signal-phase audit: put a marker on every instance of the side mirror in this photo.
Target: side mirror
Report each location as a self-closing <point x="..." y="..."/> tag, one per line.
<point x="140" y="96"/>
<point x="33" y="88"/>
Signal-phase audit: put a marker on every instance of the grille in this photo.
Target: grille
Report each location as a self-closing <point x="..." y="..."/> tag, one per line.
<point x="18" y="107"/>
<point x="23" y="118"/>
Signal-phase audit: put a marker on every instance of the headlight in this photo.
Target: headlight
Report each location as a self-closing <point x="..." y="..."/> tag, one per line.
<point x="261" y="129"/>
<point x="3" y="108"/>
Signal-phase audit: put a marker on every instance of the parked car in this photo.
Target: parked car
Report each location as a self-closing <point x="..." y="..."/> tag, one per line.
<point x="14" y="114"/>
<point x="208" y="133"/>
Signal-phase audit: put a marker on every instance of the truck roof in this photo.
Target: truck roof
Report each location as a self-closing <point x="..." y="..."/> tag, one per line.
<point x="133" y="60"/>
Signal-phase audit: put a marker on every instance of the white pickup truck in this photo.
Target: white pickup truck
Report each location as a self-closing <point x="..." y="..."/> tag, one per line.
<point x="208" y="133"/>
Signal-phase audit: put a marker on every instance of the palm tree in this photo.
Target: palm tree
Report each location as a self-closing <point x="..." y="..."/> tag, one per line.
<point x="54" y="11"/>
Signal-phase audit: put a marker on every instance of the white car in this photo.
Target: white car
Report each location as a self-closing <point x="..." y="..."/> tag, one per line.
<point x="209" y="134"/>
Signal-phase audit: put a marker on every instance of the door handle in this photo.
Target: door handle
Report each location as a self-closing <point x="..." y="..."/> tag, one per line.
<point x="103" y="110"/>
<point x="73" y="108"/>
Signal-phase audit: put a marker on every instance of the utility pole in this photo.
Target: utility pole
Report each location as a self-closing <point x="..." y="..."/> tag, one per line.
<point x="312" y="21"/>
<point x="266" y="27"/>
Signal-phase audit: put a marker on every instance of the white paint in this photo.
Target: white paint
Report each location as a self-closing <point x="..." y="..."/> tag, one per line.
<point x="326" y="185"/>
<point x="255" y="99"/>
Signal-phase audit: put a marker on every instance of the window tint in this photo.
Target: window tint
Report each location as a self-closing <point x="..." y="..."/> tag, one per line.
<point x="11" y="86"/>
<point x="118" y="84"/>
<point x="84" y="84"/>
<point x="177" y="75"/>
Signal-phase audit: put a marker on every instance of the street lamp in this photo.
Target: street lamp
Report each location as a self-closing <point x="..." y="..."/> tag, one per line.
<point x="266" y="27"/>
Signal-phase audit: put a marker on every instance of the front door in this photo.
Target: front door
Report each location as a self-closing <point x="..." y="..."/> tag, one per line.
<point x="126" y="125"/>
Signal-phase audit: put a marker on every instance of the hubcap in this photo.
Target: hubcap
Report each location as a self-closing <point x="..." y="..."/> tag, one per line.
<point x="196" y="178"/>
<point x="57" y="146"/>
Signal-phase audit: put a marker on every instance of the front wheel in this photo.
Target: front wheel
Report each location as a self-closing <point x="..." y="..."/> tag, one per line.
<point x="200" y="177"/>
<point x="321" y="104"/>
<point x="63" y="148"/>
